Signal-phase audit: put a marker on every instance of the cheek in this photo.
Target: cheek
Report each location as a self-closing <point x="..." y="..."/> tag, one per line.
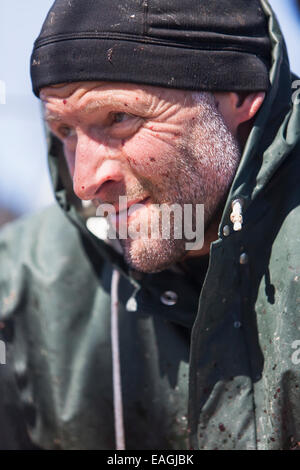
<point x="149" y="155"/>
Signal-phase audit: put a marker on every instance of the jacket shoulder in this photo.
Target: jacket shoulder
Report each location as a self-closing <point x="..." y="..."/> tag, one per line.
<point x="30" y="232"/>
<point x="39" y="250"/>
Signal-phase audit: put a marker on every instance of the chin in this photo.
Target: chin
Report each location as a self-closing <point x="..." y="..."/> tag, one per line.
<point x="152" y="256"/>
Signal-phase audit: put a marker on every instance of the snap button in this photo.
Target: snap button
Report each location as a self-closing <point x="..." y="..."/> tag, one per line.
<point x="244" y="258"/>
<point x="226" y="230"/>
<point x="169" y="298"/>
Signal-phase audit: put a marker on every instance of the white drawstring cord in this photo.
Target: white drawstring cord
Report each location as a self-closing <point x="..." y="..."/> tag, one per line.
<point x="117" y="386"/>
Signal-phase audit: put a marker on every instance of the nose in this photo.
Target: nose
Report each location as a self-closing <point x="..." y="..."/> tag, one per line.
<point x="96" y="164"/>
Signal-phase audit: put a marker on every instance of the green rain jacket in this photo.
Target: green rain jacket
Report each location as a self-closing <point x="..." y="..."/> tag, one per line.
<point x="217" y="369"/>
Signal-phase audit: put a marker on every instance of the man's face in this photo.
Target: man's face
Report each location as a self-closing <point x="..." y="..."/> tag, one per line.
<point x="153" y="145"/>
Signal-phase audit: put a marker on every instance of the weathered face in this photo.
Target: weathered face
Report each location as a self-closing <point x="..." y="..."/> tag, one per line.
<point x="150" y="144"/>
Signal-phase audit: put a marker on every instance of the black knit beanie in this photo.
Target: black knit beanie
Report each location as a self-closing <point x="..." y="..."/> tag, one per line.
<point x="220" y="45"/>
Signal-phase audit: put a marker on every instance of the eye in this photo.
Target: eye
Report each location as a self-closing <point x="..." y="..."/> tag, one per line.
<point x="65" y="131"/>
<point x="121" y="117"/>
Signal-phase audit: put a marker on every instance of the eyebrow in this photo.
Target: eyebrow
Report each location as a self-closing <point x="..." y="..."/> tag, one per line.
<point x="89" y="108"/>
<point x="51" y="117"/>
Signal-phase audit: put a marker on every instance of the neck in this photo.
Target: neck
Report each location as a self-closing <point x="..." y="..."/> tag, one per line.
<point x="211" y="234"/>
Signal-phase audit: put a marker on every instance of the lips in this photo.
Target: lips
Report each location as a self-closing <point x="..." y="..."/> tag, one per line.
<point x="122" y="217"/>
<point x="132" y="203"/>
<point x="116" y="207"/>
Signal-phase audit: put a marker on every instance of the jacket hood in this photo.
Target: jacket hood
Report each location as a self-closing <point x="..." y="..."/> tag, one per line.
<point x="276" y="130"/>
<point x="275" y="133"/>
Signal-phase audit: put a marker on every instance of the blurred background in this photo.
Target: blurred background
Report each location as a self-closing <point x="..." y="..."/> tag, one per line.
<point x="24" y="179"/>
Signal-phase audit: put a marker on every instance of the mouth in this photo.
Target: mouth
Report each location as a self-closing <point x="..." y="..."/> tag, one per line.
<point x="118" y="208"/>
<point x="123" y="216"/>
<point x="120" y="211"/>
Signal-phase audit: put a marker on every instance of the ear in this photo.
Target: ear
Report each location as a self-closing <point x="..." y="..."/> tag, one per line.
<point x="237" y="109"/>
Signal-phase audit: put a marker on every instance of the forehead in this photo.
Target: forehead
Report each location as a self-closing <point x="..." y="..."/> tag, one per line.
<point x="112" y="90"/>
<point x="67" y="90"/>
<point x="89" y="97"/>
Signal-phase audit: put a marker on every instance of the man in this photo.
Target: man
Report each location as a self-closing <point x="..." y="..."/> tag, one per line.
<point x="161" y="103"/>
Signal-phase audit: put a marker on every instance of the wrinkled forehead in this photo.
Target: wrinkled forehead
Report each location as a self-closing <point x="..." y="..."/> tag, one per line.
<point x="68" y="89"/>
<point x="115" y="91"/>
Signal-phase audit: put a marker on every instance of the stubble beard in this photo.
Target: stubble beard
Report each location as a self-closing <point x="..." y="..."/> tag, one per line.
<point x="203" y="170"/>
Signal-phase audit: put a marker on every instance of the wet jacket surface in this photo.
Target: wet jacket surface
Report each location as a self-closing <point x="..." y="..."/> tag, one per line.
<point x="217" y="370"/>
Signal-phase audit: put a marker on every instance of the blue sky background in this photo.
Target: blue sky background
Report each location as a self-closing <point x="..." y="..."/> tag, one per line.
<point x="24" y="178"/>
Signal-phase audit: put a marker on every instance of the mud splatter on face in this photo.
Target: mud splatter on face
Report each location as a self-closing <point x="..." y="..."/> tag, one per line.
<point x="202" y="167"/>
